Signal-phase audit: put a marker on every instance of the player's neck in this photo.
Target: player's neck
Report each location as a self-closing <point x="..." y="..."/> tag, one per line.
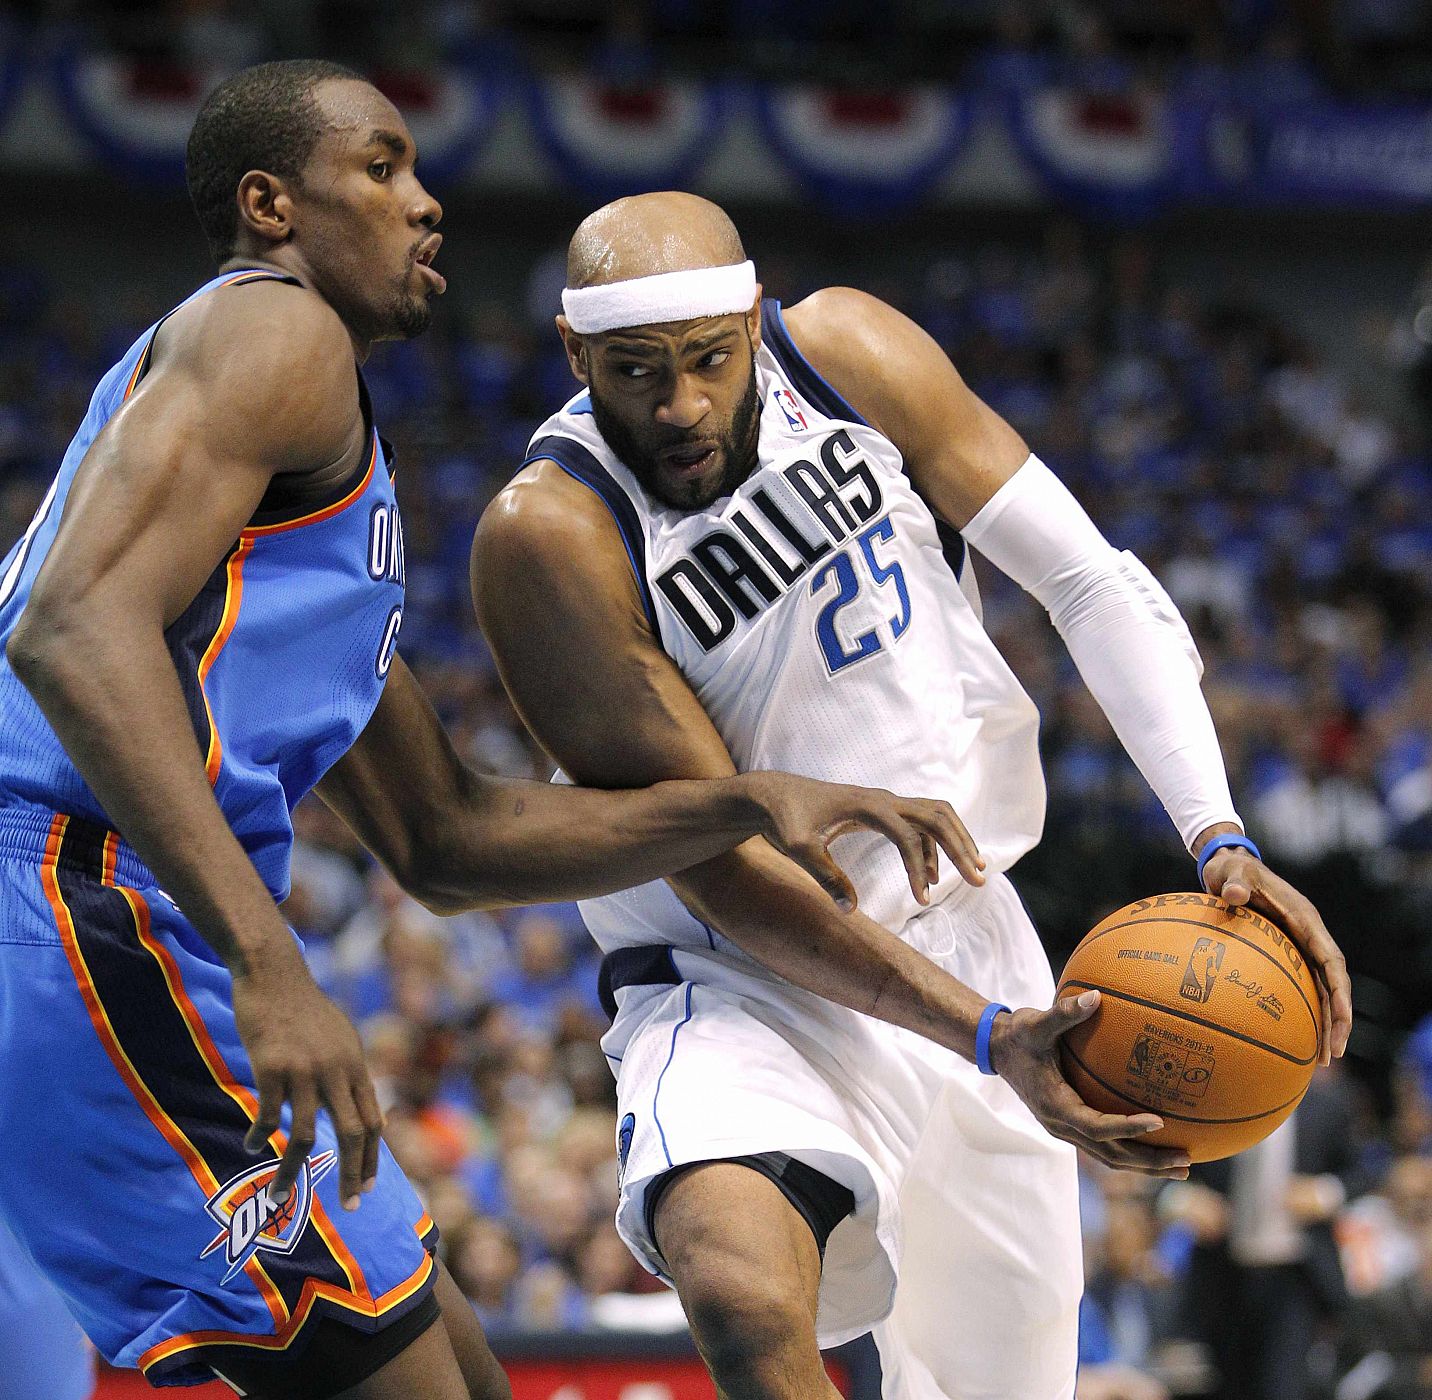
<point x="288" y="262"/>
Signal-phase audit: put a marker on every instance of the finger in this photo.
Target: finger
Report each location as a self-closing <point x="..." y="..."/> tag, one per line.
<point x="1096" y="1127"/>
<point x="1298" y="918"/>
<point x="932" y="858"/>
<point x="265" y="1125"/>
<point x="348" y="1128"/>
<point x="817" y="862"/>
<point x="303" y="1097"/>
<point x="372" y="1116"/>
<point x="1064" y="1015"/>
<point x="958" y="844"/>
<point x="939" y="829"/>
<point x="909" y="841"/>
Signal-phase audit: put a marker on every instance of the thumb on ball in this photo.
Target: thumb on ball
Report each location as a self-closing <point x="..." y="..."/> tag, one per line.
<point x="1071" y="1010"/>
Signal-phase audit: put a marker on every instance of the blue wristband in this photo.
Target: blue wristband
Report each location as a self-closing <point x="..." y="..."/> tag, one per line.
<point x="982" y="1035"/>
<point x="1219" y="843"/>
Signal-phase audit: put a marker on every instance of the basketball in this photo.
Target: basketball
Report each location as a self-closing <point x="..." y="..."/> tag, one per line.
<point x="1209" y="1017"/>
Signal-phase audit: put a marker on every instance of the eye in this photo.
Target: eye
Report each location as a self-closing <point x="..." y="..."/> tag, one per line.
<point x="713" y="358"/>
<point x="380" y="169"/>
<point x="633" y="371"/>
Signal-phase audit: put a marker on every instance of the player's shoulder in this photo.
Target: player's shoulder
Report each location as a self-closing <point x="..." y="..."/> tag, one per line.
<point x="546" y="517"/>
<point x="880" y="360"/>
<point x="264" y="330"/>
<point x="842" y="323"/>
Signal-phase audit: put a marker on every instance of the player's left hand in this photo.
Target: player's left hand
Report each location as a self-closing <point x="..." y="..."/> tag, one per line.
<point x="1238" y="877"/>
<point x="804" y="815"/>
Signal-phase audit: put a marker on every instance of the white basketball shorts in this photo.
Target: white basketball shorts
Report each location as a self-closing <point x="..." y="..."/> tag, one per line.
<point x="963" y="1253"/>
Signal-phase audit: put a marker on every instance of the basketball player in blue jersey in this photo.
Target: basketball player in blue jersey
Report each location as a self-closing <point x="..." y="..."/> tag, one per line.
<point x="745" y="532"/>
<point x="199" y="627"/>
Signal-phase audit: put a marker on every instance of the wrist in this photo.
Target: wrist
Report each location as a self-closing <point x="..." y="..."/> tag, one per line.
<point x="1229" y="828"/>
<point x="986" y="1031"/>
<point x="746" y="803"/>
<point x="272" y="960"/>
<point x="1212" y="848"/>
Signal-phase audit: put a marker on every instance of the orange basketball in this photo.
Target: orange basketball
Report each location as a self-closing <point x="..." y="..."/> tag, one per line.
<point x="1209" y="1018"/>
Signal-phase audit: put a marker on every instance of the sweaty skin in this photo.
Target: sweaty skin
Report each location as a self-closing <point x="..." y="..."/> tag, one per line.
<point x="551" y="578"/>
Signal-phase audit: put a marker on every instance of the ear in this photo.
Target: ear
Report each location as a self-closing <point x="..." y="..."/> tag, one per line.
<point x="753" y="320"/>
<point x="576" y="349"/>
<point x="265" y="207"/>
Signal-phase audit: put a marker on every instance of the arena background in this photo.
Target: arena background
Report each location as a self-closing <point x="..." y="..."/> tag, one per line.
<point x="1182" y="247"/>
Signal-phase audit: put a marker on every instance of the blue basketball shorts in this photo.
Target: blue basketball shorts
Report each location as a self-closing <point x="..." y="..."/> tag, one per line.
<point x="125" y="1096"/>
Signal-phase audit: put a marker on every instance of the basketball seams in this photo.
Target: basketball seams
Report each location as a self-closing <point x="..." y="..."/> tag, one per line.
<point x="1287" y="1105"/>
<point x="1180" y="1014"/>
<point x="1221" y="930"/>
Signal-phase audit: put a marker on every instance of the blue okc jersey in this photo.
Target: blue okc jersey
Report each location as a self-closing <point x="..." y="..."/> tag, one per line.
<point x="282" y="655"/>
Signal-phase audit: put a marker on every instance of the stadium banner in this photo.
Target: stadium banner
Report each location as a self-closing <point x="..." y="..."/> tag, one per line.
<point x="1123" y="155"/>
<point x="1335" y="153"/>
<point x="610" y="139"/>
<point x="451" y="110"/>
<point x="865" y="151"/>
<point x="134" y="114"/>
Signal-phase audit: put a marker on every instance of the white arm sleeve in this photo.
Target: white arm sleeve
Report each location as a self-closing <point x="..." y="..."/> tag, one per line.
<point x="1127" y="638"/>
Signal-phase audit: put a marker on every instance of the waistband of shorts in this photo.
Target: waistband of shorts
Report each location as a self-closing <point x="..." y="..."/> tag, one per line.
<point x="77" y="845"/>
<point x="645" y="965"/>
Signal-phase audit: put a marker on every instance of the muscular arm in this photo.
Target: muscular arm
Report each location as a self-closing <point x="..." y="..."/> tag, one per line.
<point x="1125" y="635"/>
<point x="245" y="384"/>
<point x="457" y="839"/>
<point x="157" y="504"/>
<point x="551" y="580"/>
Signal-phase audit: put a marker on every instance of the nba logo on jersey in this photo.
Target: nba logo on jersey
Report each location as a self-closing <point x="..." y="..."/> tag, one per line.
<point x="786" y="402"/>
<point x="252" y="1219"/>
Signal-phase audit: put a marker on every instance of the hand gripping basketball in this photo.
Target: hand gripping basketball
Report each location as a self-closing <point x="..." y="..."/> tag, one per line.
<point x="1238" y="877"/>
<point x="1024" y="1051"/>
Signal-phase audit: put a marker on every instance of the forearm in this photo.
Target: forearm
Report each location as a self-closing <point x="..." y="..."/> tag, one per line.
<point x="1125" y="635"/>
<point x="513" y="842"/>
<point x="773" y="912"/>
<point x="109" y="690"/>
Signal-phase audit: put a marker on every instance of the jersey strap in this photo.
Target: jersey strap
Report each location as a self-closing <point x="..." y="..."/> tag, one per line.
<point x="578" y="462"/>
<point x="814" y="389"/>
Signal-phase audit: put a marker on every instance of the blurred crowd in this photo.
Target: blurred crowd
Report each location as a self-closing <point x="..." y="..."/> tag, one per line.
<point x="1287" y="509"/>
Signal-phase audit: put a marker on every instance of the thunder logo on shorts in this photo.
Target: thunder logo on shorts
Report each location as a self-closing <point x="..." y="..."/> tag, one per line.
<point x="252" y="1219"/>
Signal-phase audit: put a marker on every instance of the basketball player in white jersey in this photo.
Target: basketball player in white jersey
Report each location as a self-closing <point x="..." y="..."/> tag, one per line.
<point x="740" y="548"/>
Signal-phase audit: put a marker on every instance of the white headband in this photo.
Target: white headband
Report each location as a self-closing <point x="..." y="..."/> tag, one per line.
<point x="668" y="296"/>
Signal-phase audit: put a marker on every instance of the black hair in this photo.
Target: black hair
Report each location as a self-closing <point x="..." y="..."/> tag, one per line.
<point x="263" y="118"/>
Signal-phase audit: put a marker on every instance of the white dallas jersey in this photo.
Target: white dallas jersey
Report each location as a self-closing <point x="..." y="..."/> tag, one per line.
<point x="818" y="614"/>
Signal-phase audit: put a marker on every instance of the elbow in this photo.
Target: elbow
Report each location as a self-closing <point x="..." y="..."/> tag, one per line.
<point x="36" y="647"/>
<point x="433" y="873"/>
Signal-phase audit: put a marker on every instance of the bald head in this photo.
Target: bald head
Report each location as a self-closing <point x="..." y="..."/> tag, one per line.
<point x="647" y="234"/>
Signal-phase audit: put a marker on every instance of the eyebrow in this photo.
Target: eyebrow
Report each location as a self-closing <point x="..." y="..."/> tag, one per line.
<point x="390" y="139"/>
<point x="643" y="347"/>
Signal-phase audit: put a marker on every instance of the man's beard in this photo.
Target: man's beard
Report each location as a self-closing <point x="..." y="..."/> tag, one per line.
<point x="411" y="315"/>
<point x="641" y="458"/>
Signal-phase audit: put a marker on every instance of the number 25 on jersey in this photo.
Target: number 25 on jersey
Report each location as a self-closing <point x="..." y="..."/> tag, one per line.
<point x="847" y="573"/>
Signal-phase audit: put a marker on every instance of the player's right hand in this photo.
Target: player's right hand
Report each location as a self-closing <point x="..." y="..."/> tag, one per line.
<point x="1024" y="1051"/>
<point x="804" y="815"/>
<point x="305" y="1052"/>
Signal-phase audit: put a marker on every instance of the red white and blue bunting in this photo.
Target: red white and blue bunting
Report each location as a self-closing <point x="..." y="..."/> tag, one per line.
<point x="860" y="153"/>
<point x="1119" y="154"/>
<point x="132" y="114"/>
<point x="609" y="139"/>
<point x="865" y="152"/>
<point x="135" y="115"/>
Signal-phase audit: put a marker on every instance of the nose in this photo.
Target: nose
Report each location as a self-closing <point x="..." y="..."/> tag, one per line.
<point x="426" y="210"/>
<point x="686" y="405"/>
